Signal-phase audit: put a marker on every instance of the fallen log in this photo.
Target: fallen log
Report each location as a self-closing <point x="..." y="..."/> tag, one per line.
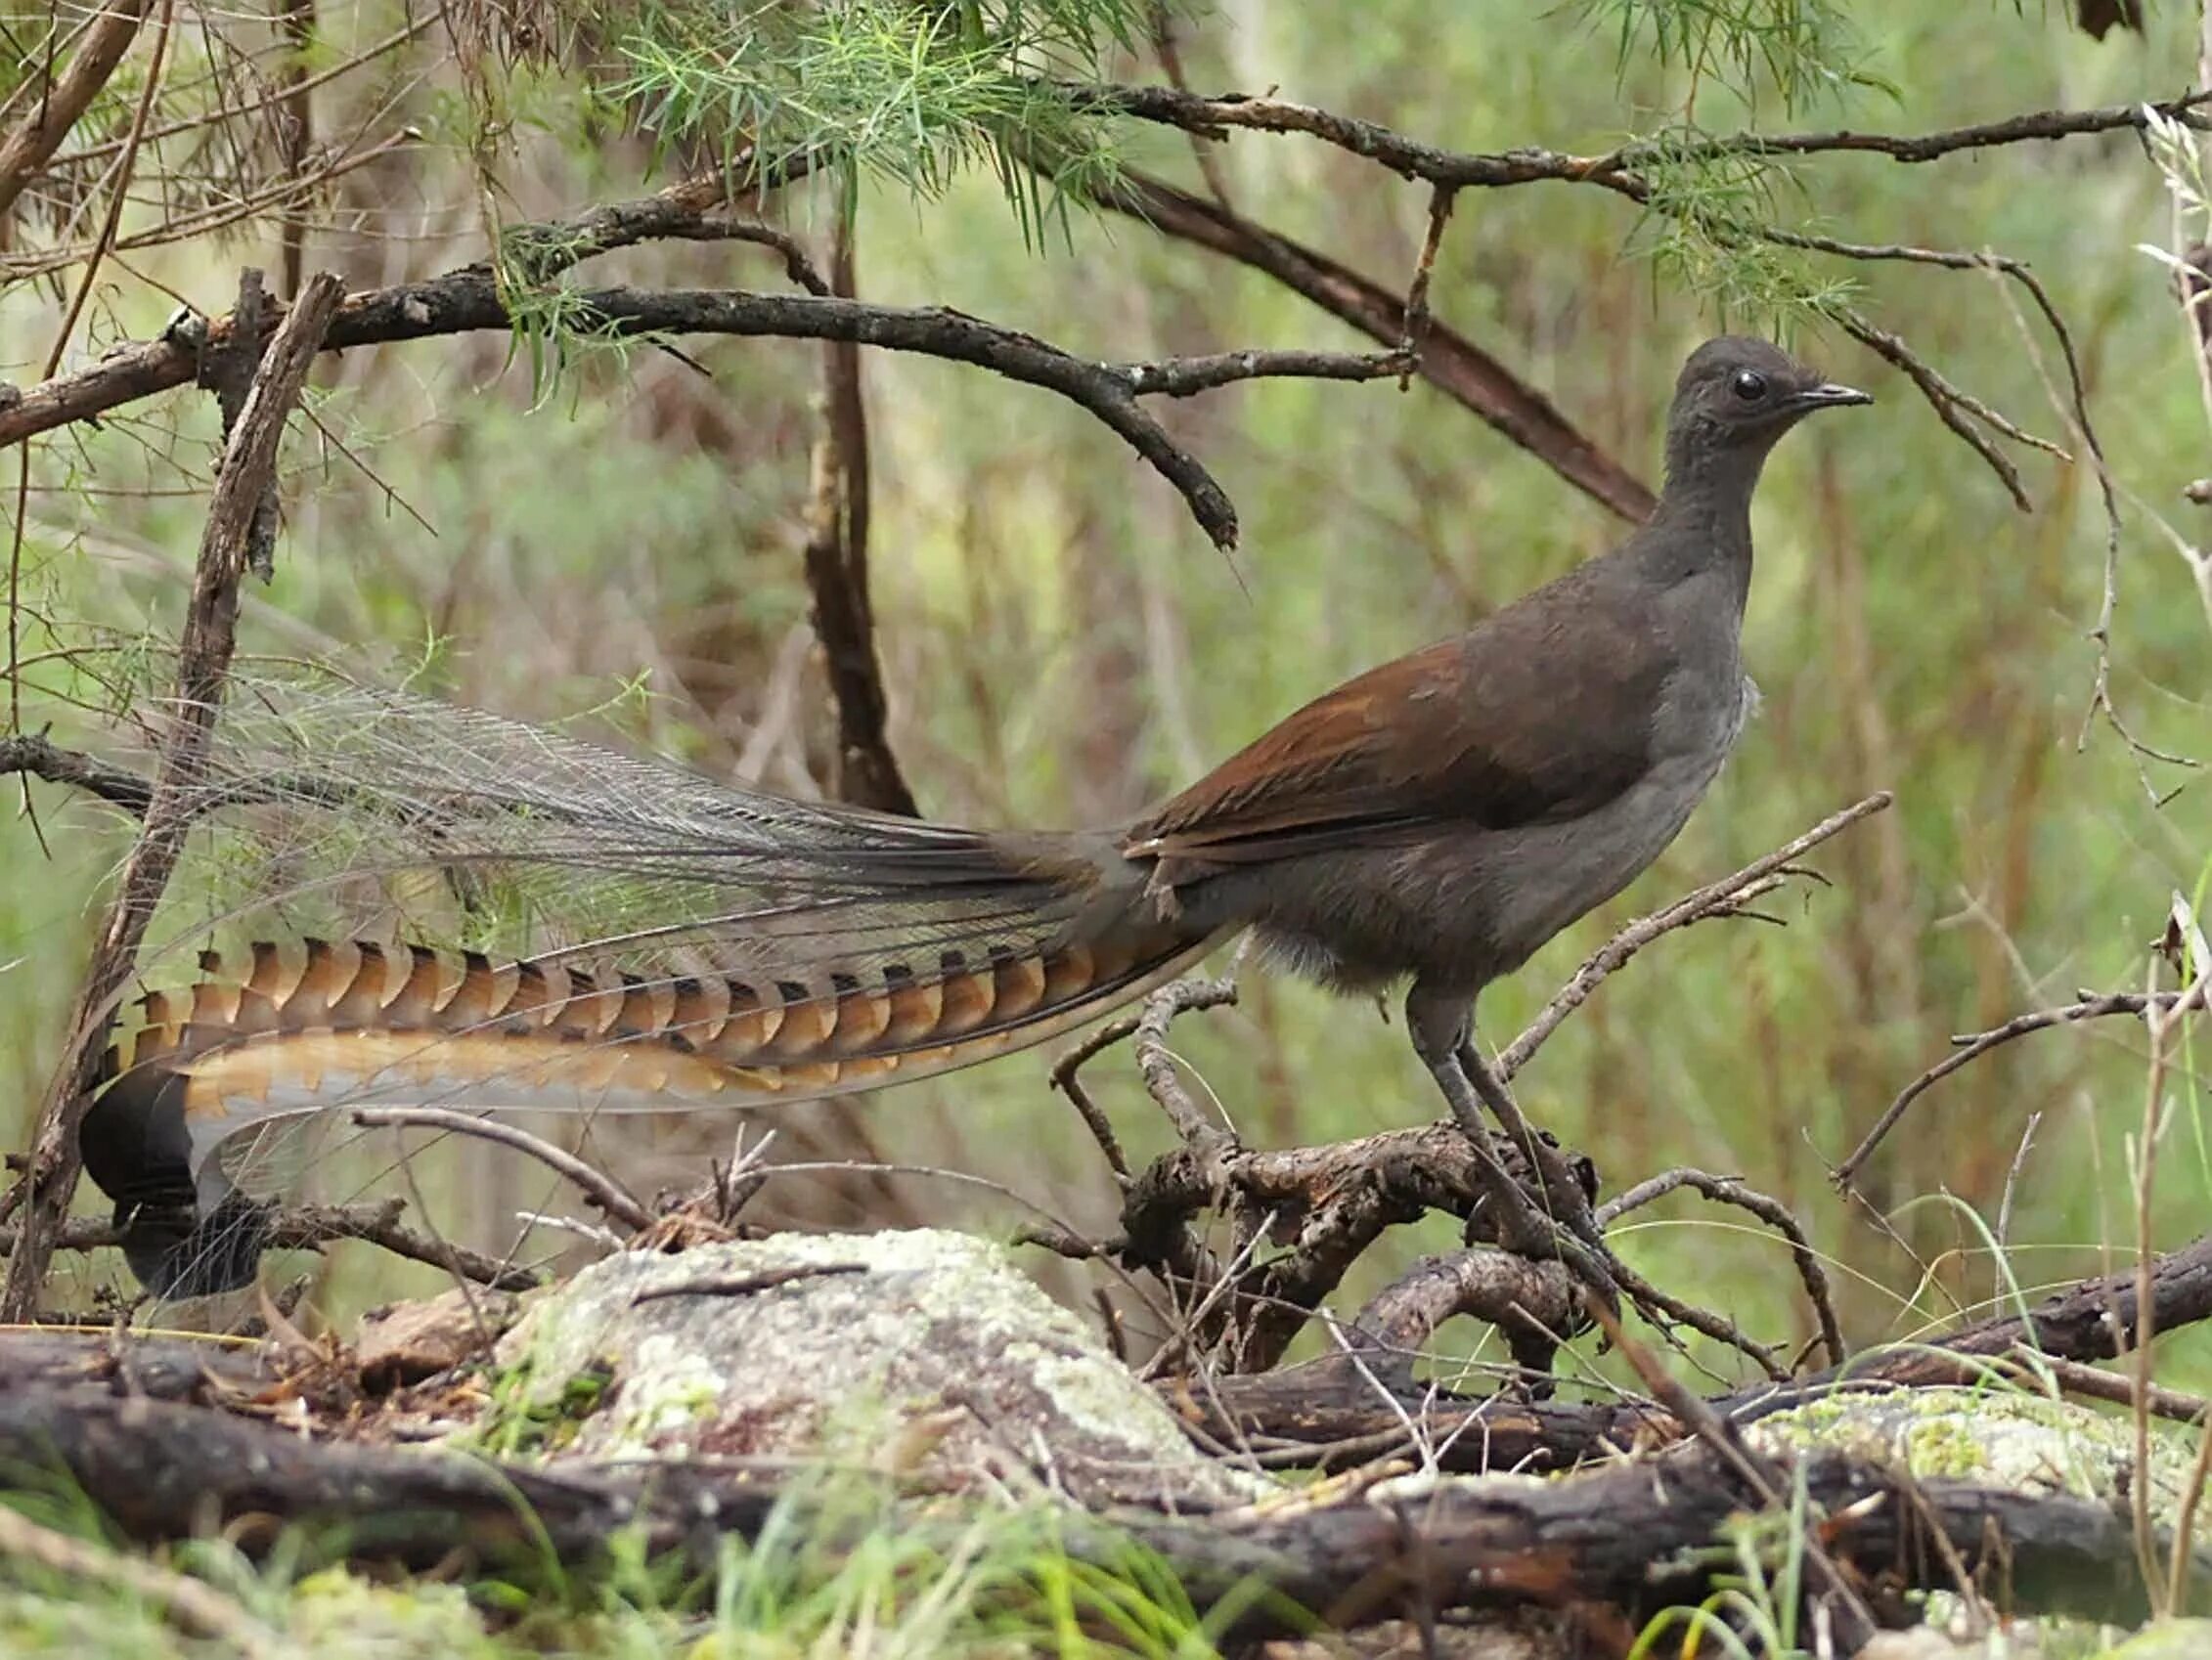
<point x="1626" y="1540"/>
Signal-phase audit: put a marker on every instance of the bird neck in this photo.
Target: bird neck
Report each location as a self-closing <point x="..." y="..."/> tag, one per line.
<point x="1703" y="523"/>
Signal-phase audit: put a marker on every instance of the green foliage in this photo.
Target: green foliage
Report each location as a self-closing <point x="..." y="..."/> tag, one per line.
<point x="1701" y="229"/>
<point x="1806" y="50"/>
<point x="910" y="94"/>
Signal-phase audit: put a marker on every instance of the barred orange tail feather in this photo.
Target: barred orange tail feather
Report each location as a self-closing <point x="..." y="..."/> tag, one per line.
<point x="324" y="1027"/>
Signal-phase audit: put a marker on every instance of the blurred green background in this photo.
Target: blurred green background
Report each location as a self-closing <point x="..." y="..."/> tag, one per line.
<point x="1063" y="646"/>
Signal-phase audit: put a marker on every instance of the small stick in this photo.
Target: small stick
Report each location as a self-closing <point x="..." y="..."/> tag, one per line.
<point x="744" y="1285"/>
<point x="1981" y="1043"/>
<point x="600" y="1188"/>
<point x="1728" y="1190"/>
<point x="1417" y="295"/>
<point x="1710" y="901"/>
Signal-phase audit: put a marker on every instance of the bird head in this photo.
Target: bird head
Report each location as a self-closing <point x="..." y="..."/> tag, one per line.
<point x="1735" y="397"/>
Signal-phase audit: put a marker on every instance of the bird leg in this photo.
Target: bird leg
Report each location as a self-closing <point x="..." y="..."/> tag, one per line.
<point x="1563" y="1194"/>
<point x="1437" y="1028"/>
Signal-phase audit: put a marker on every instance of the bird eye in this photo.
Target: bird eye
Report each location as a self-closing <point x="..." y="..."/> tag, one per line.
<point x="1750" y="385"/>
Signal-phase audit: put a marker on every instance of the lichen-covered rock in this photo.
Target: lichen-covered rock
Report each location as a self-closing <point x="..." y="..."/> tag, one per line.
<point x="923" y="1354"/>
<point x="2000" y="1437"/>
<point x="2169" y="1639"/>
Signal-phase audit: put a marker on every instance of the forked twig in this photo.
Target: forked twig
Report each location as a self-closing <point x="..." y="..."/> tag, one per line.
<point x="1729" y="1190"/>
<point x="1715" y="899"/>
<point x="1972" y="1047"/>
<point x="596" y="1185"/>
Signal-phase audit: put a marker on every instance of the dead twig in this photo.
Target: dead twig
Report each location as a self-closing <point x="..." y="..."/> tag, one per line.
<point x="1417" y="292"/>
<point x="56" y="108"/>
<point x="1449" y="360"/>
<point x="471" y="299"/>
<point x="1972" y="1046"/>
<point x="1156" y="1063"/>
<point x="250" y="457"/>
<point x="1716" y="898"/>
<point x="1729" y="1190"/>
<point x="745" y="1284"/>
<point x="117" y="786"/>
<point x="601" y="1189"/>
<point x="310" y="1227"/>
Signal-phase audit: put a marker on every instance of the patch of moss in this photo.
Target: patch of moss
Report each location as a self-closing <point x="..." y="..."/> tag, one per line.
<point x="524" y="1419"/>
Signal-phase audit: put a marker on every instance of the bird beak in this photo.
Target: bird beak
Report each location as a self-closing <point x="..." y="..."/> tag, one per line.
<point x="1830" y="396"/>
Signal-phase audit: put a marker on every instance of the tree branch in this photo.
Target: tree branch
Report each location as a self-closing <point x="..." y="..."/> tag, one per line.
<point x="1450" y="362"/>
<point x="1411" y="158"/>
<point x="1718" y="899"/>
<point x="1971" y="1049"/>
<point x="470" y="299"/>
<point x="248" y="472"/>
<point x="864" y="772"/>
<point x="57" y="108"/>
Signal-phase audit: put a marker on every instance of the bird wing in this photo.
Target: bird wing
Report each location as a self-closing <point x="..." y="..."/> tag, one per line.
<point x="1531" y="718"/>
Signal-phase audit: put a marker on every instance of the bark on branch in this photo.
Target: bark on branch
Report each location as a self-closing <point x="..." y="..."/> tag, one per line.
<point x="471" y="299"/>
<point x="239" y="503"/>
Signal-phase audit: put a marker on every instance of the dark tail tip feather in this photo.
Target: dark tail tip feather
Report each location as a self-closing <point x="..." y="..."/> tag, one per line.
<point x="134" y="1145"/>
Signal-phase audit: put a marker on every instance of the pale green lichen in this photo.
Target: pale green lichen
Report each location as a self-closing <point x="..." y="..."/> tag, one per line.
<point x="2169" y="1639"/>
<point x="2003" y="1436"/>
<point x="957" y="1355"/>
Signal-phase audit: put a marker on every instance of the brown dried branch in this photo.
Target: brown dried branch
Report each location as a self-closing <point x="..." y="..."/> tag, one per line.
<point x="1451" y="363"/>
<point x="2094" y="1321"/>
<point x="51" y="112"/>
<point x="1413" y="159"/>
<point x="1156" y="1063"/>
<point x="1974" y="1045"/>
<point x="1417" y="292"/>
<point x="471" y="299"/>
<point x="1952" y="406"/>
<point x="1719" y="899"/>
<point x="1337" y="1199"/>
<point x="1313" y="1408"/>
<point x="601" y="1189"/>
<point x="864" y="770"/>
<point x="1620" y="172"/>
<point x="310" y="1227"/>
<point x="34" y="754"/>
<point x="685" y="211"/>
<point x="1533" y="1304"/>
<point x="1634" y="1539"/>
<point x="248" y="466"/>
<point x="1729" y="1190"/>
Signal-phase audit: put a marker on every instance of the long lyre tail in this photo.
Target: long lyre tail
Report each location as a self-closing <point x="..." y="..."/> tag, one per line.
<point x="323" y="1026"/>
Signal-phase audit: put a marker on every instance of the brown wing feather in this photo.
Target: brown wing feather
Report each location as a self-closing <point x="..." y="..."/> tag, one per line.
<point x="1521" y="722"/>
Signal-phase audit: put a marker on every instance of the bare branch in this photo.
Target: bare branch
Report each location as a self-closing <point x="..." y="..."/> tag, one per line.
<point x="1451" y="363"/>
<point x="48" y="118"/>
<point x="118" y="786"/>
<point x="248" y="470"/>
<point x="1718" y="899"/>
<point x="1413" y="159"/>
<point x="471" y="299"/>
<point x="1729" y="1190"/>
<point x="1975" y="1045"/>
<point x="601" y="1189"/>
